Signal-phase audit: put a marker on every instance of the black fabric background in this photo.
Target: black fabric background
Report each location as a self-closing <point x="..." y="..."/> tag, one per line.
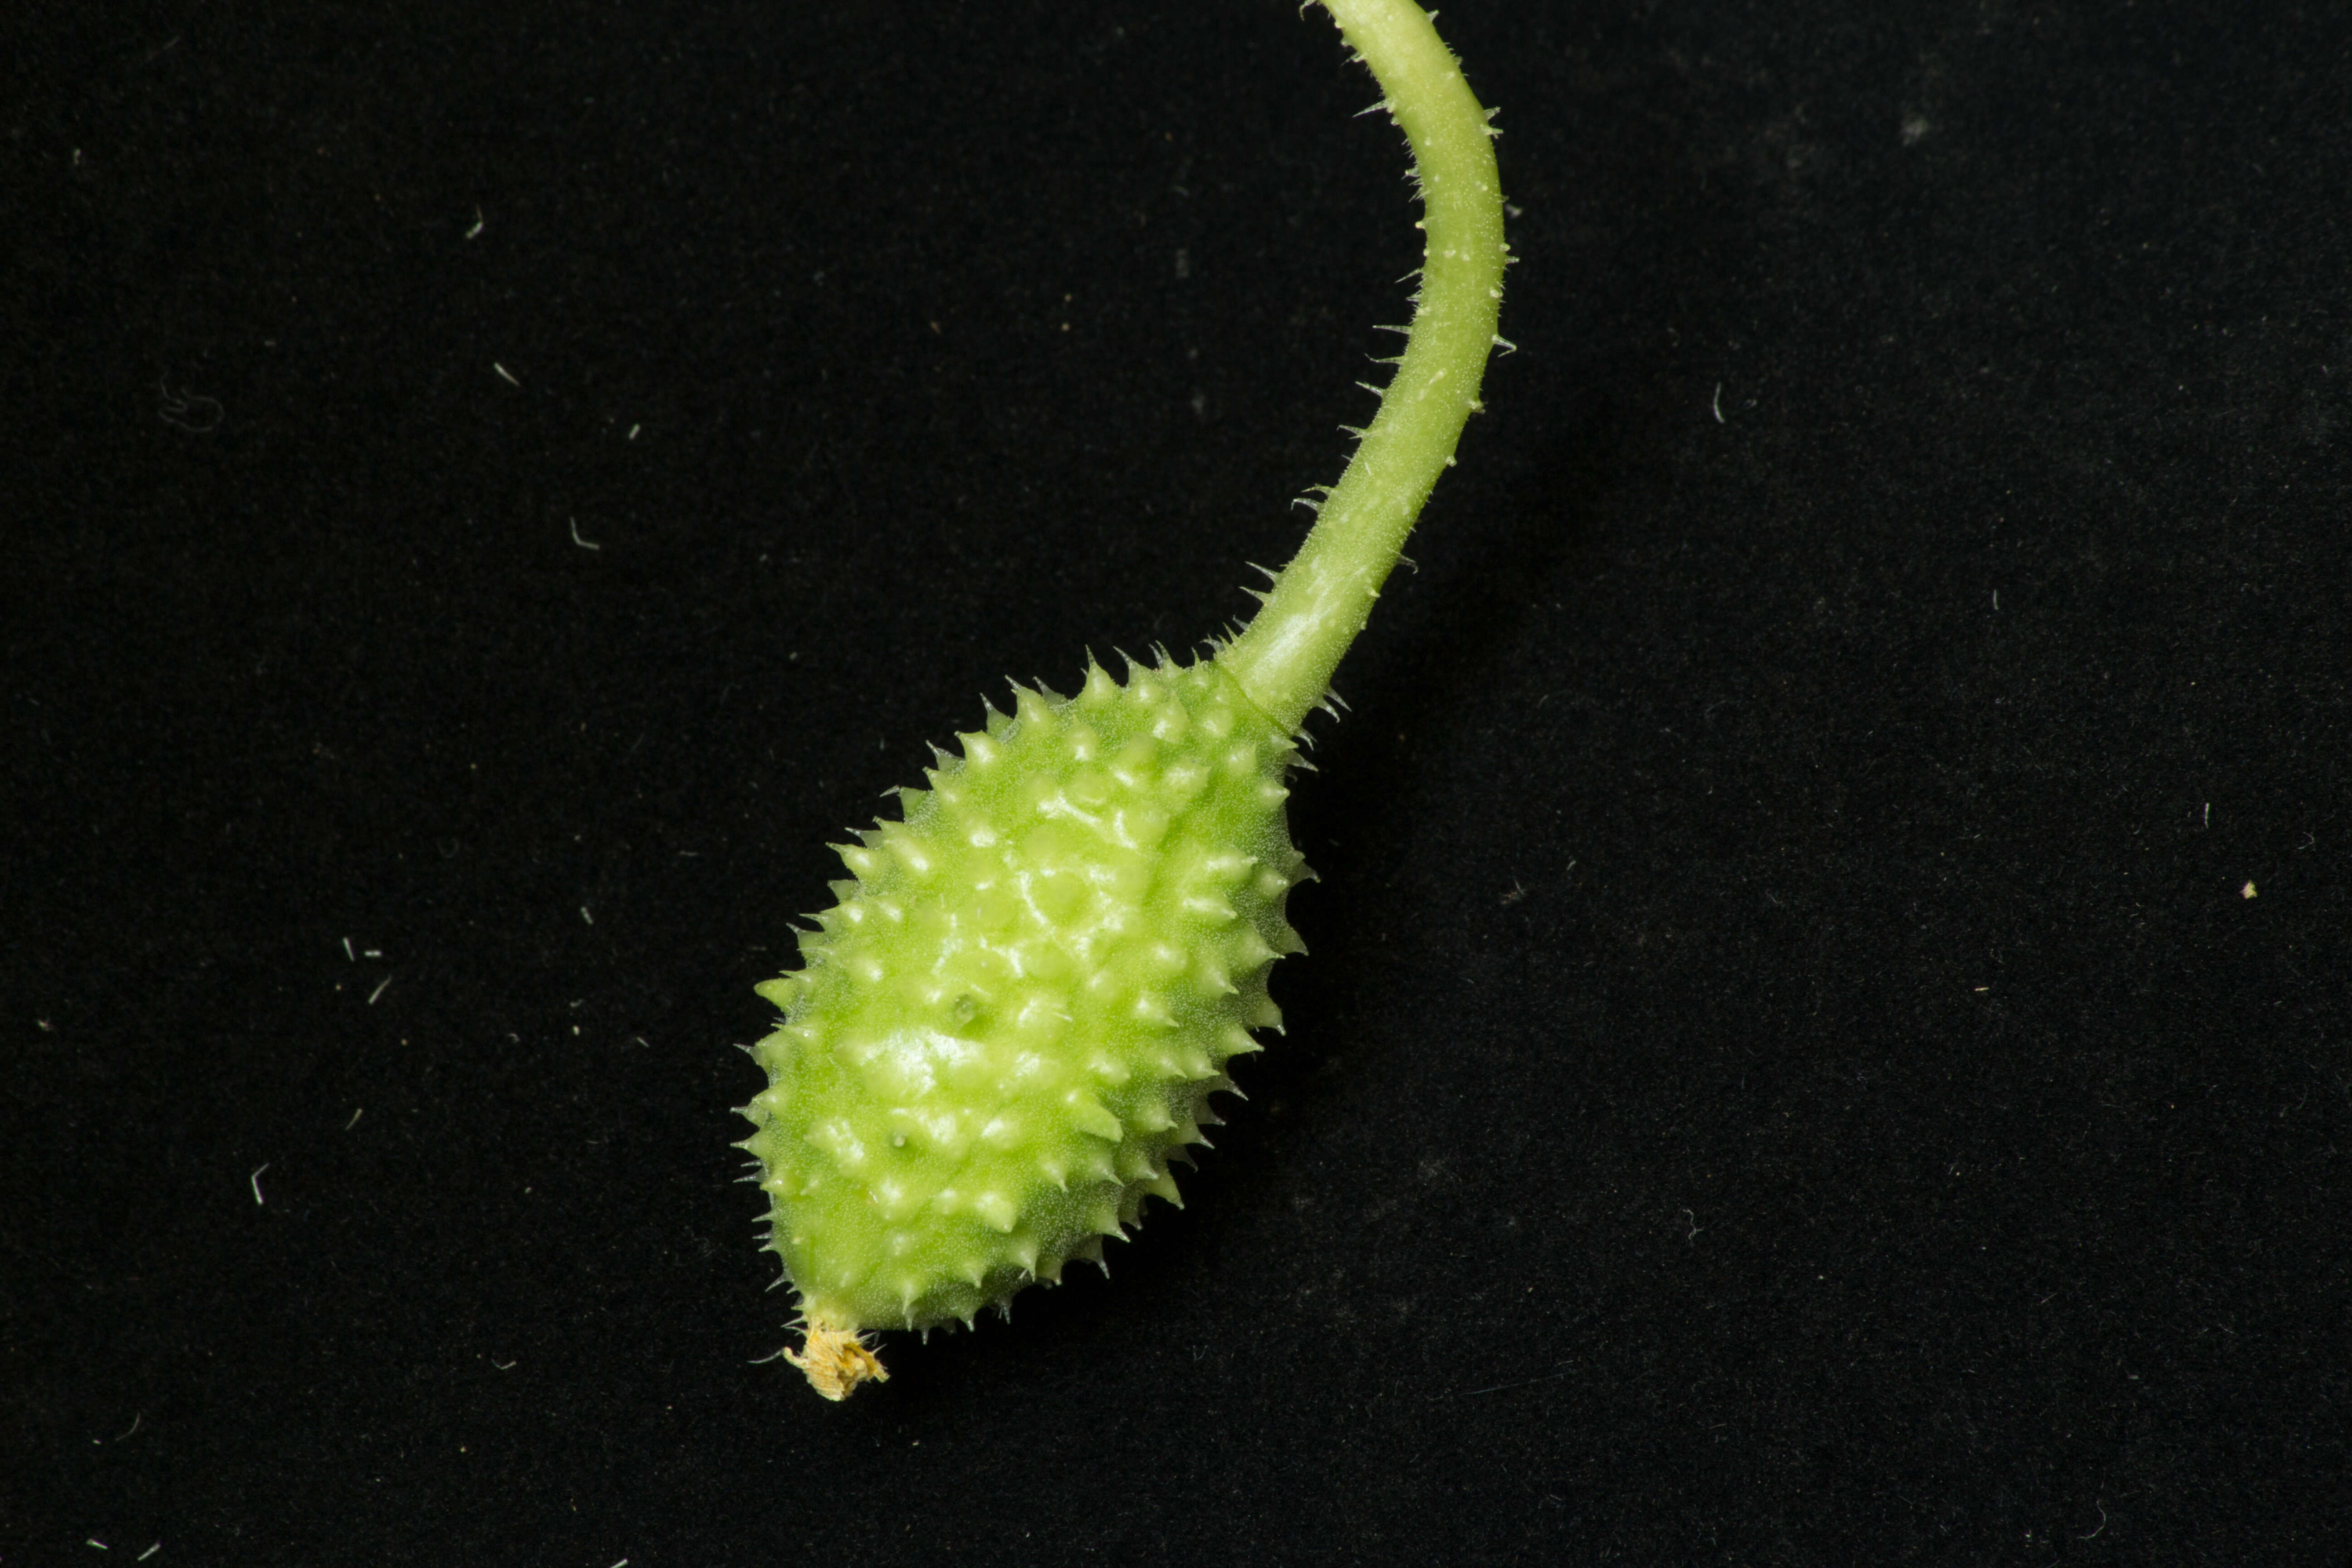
<point x="1788" y="1069"/>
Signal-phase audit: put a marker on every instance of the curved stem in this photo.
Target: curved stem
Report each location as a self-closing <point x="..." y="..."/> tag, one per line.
<point x="1285" y="658"/>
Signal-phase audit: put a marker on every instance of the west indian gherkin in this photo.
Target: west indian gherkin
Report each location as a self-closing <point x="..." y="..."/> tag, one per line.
<point x="1014" y="1017"/>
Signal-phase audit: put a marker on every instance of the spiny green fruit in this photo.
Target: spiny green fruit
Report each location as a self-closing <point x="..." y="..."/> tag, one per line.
<point x="1021" y="1006"/>
<point x="1015" y="1016"/>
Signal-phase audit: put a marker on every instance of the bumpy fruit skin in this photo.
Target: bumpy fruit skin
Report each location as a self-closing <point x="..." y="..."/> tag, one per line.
<point x="1018" y="1010"/>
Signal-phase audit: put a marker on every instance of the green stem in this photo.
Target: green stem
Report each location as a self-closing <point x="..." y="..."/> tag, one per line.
<point x="1285" y="658"/>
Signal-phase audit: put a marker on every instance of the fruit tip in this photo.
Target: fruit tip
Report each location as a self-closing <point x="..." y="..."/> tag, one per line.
<point x="836" y="1361"/>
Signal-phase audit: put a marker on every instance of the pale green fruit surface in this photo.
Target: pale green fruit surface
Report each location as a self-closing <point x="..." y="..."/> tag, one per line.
<point x="1018" y="1010"/>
